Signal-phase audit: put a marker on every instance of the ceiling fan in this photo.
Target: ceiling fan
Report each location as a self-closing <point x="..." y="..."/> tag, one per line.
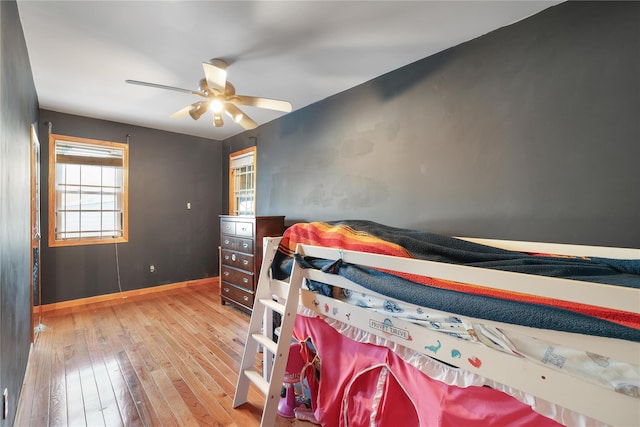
<point x="220" y="97"/>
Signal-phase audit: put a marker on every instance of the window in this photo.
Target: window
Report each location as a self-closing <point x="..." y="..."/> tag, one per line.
<point x="242" y="182"/>
<point x="88" y="188"/>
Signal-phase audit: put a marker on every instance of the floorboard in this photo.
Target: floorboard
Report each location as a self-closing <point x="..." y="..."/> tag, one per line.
<point x="167" y="358"/>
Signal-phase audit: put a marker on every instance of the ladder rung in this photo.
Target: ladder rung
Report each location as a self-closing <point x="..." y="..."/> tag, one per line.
<point x="280" y="288"/>
<point x="266" y="341"/>
<point x="273" y="305"/>
<point x="258" y="380"/>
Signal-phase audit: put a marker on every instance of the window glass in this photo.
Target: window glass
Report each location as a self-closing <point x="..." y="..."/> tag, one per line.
<point x="242" y="180"/>
<point x="88" y="192"/>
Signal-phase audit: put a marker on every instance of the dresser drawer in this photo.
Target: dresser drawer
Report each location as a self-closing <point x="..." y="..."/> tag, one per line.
<point x="237" y="228"/>
<point x="244" y="229"/>
<point x="237" y="244"/>
<point x="241" y="278"/>
<point x="236" y="294"/>
<point x="228" y="227"/>
<point x="238" y="260"/>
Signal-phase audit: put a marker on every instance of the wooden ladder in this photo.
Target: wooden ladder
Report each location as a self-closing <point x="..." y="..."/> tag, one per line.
<point x="271" y="295"/>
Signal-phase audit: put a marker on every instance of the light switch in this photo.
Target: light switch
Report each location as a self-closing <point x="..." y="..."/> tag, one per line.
<point x="188" y="205"/>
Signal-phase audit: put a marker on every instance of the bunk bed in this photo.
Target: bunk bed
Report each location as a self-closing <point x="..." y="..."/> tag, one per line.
<point x="444" y="331"/>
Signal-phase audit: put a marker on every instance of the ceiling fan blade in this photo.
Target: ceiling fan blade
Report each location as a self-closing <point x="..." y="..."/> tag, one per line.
<point x="177" y="89"/>
<point x="216" y="73"/>
<point x="271" y="104"/>
<point x="240" y="117"/>
<point x="182" y="113"/>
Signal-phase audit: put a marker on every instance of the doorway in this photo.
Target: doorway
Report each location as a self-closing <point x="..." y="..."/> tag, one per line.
<point x="36" y="289"/>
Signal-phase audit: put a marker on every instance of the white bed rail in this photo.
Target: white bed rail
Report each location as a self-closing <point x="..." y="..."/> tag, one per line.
<point x="596" y="294"/>
<point x="558" y="248"/>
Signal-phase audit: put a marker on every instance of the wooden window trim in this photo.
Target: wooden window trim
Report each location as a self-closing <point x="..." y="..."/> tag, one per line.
<point x="52" y="193"/>
<point x="232" y="202"/>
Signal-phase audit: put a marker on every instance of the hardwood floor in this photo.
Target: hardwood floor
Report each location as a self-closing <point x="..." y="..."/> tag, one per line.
<point x="162" y="359"/>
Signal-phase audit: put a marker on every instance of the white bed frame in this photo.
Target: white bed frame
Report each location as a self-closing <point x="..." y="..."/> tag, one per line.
<point x="565" y="391"/>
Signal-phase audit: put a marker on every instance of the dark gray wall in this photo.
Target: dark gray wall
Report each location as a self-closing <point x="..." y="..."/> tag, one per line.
<point x="166" y="171"/>
<point x="529" y="132"/>
<point x="18" y="110"/>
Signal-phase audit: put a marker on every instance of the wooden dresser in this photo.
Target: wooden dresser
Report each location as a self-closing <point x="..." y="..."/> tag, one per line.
<point x="241" y="255"/>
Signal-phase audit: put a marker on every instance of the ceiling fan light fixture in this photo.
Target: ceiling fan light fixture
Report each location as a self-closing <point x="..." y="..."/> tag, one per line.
<point x="197" y="111"/>
<point x="217" y="106"/>
<point x="217" y="120"/>
<point x="203" y="86"/>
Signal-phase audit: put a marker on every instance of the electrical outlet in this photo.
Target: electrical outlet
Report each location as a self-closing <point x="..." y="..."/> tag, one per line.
<point x="152" y="268"/>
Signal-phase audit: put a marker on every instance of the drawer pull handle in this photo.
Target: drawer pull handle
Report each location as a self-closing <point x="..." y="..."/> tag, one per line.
<point x="245" y="280"/>
<point x="245" y="262"/>
<point x="226" y="257"/>
<point x="245" y="245"/>
<point x="226" y="273"/>
<point x="233" y="257"/>
<point x="226" y="241"/>
<point x="246" y="298"/>
<point x="226" y="290"/>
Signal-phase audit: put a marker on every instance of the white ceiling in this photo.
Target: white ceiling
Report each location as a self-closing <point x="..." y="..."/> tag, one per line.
<point x="81" y="52"/>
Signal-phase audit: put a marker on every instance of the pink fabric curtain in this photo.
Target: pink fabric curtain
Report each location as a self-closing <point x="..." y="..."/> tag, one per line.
<point x="364" y="385"/>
